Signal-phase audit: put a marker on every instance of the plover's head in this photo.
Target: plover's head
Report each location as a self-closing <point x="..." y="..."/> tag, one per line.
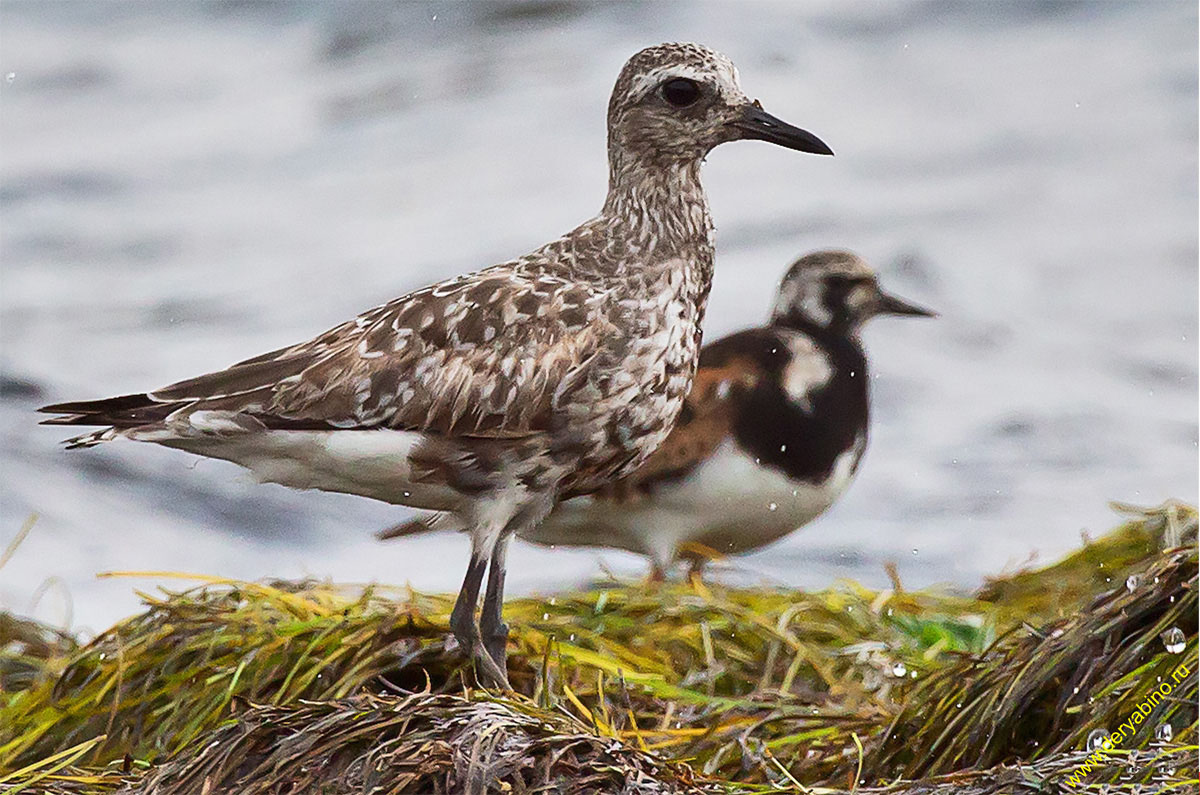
<point x="835" y="290"/>
<point x="675" y="102"/>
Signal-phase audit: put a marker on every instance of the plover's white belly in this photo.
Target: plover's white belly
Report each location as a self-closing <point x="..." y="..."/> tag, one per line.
<point x="372" y="463"/>
<point x="728" y="503"/>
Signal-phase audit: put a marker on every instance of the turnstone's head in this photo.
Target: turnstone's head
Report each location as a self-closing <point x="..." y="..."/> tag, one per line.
<point x="675" y="102"/>
<point x="835" y="290"/>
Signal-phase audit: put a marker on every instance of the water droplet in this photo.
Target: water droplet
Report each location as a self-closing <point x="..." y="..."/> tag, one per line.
<point x="1174" y="640"/>
<point x="1076" y="690"/>
<point x="912" y="674"/>
<point x="545" y="616"/>
<point x="890" y="611"/>
<point x="899" y="669"/>
<point x="914" y="550"/>
<point x="10" y="77"/>
<point x="572" y="637"/>
<point x="553" y="600"/>
<point x="958" y="705"/>
<point x="1132" y="582"/>
<point x="1098" y="738"/>
<point x="1164" y="733"/>
<point x="772" y="507"/>
<point x="783" y="448"/>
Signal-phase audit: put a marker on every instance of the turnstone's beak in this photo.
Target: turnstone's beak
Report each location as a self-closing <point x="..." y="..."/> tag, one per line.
<point x="758" y="124"/>
<point x="888" y="304"/>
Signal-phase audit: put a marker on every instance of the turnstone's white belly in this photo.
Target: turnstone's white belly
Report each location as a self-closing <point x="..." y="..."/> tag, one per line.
<point x="730" y="503"/>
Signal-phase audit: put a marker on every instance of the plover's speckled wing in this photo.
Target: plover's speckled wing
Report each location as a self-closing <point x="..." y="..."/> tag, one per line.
<point x="481" y="355"/>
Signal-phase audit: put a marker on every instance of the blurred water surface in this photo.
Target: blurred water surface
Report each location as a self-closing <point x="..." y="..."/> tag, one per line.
<point x="184" y="185"/>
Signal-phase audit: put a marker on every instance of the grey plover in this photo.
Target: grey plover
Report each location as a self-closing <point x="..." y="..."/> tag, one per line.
<point x="770" y="436"/>
<point x="492" y="395"/>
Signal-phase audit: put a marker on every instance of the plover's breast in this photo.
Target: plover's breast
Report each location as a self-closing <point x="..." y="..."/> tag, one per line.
<point x="643" y="373"/>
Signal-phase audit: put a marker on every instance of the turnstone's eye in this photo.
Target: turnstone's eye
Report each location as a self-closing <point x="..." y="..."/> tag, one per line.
<point x="681" y="92"/>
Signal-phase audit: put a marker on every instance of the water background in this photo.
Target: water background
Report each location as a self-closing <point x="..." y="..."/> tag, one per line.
<point x="183" y="186"/>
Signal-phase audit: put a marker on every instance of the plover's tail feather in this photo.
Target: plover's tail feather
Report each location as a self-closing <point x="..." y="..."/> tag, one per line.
<point x="125" y="411"/>
<point x="441" y="520"/>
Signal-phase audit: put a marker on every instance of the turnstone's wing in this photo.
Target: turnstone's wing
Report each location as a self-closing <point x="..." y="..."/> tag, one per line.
<point x="487" y="354"/>
<point x="730" y="369"/>
<point x="725" y="370"/>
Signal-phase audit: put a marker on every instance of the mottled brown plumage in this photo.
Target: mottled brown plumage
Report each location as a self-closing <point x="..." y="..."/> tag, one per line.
<point x="490" y="395"/>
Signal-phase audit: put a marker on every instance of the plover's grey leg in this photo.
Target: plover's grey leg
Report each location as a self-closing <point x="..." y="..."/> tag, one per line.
<point x="462" y="618"/>
<point x="466" y="630"/>
<point x="491" y="619"/>
<point x="463" y="621"/>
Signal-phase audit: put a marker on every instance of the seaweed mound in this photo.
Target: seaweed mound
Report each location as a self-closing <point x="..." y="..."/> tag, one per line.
<point x="1030" y="685"/>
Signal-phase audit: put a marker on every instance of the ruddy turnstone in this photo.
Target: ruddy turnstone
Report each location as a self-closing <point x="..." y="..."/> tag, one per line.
<point x="769" y="437"/>
<point x="490" y="396"/>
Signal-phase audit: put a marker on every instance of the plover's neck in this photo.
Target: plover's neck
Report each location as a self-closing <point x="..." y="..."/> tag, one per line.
<point x="659" y="205"/>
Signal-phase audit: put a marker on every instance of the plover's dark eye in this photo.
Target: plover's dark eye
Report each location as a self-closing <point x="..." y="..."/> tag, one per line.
<point x="681" y="92"/>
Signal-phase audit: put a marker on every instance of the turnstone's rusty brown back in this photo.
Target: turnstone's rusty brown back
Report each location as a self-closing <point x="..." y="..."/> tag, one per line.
<point x="490" y="395"/>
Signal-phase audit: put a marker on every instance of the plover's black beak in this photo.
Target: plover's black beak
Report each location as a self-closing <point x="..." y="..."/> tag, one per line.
<point x="891" y="305"/>
<point x="758" y="124"/>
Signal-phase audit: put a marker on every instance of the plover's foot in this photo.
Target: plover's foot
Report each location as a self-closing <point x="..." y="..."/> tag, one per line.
<point x="491" y="673"/>
<point x="495" y="641"/>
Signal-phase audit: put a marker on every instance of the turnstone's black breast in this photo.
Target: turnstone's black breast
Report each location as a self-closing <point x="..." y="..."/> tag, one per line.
<point x="492" y="394"/>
